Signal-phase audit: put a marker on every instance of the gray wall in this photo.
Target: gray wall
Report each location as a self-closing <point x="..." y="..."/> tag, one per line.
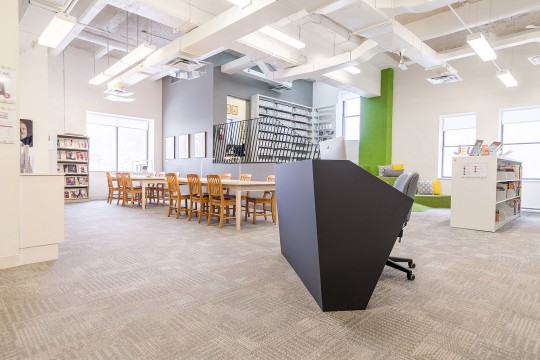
<point x="196" y="105"/>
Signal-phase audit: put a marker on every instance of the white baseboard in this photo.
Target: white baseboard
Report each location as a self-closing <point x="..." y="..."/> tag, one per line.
<point x="9" y="261"/>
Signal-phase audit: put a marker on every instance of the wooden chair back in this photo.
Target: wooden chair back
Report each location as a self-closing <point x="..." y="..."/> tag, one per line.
<point x="269" y="178"/>
<point x="245" y="177"/>
<point x="109" y="180"/>
<point x="225" y="176"/>
<point x="194" y="184"/>
<point x="215" y="188"/>
<point x="172" y="183"/>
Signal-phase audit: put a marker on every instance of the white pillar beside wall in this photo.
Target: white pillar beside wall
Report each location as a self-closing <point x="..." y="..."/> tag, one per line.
<point x="10" y="153"/>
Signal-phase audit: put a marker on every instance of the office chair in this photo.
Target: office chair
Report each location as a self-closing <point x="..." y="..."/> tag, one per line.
<point x="407" y="184"/>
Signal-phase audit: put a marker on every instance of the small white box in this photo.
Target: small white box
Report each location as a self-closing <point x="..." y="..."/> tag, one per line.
<point x="501" y="195"/>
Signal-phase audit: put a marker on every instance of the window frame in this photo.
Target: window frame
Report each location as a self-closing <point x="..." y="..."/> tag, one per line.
<point x="148" y="130"/>
<point x="344" y="117"/>
<point x="442" y="146"/>
<point x="501" y="128"/>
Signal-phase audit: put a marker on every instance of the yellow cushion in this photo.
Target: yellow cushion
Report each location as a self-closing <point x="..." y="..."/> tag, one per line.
<point x="436" y="187"/>
<point x="397" y="166"/>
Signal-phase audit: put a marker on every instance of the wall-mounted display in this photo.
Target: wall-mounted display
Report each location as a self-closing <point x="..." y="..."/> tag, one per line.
<point x="183" y="146"/>
<point x="169" y="148"/>
<point x="200" y="144"/>
<point x="8" y="85"/>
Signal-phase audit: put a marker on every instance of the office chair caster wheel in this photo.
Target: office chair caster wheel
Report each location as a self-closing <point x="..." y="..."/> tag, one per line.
<point x="412" y="265"/>
<point x="410" y="277"/>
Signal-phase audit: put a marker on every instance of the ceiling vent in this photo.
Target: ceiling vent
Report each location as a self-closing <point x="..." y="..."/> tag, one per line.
<point x="118" y="92"/>
<point x="285" y="86"/>
<point x="535" y="60"/>
<point x="444" y="79"/>
<point x="186" y="64"/>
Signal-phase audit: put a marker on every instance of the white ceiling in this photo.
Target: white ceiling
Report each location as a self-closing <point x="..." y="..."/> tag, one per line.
<point x="427" y="32"/>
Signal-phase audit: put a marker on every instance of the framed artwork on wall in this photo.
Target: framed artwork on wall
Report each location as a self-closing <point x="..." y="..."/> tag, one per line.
<point x="169" y="148"/>
<point x="200" y="144"/>
<point x="234" y="110"/>
<point x="183" y="146"/>
<point x="228" y="109"/>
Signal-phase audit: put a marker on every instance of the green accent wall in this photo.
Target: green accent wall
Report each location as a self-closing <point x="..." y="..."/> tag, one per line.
<point x="376" y="126"/>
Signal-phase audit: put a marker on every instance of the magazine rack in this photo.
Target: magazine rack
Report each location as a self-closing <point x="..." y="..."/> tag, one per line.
<point x="72" y="161"/>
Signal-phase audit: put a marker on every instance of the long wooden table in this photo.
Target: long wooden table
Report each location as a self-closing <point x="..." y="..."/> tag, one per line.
<point x="239" y="186"/>
<point x="145" y="181"/>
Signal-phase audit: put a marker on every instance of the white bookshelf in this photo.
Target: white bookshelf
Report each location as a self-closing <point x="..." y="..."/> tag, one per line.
<point x="72" y="161"/>
<point x="297" y="117"/>
<point x="486" y="192"/>
<point x="324" y="123"/>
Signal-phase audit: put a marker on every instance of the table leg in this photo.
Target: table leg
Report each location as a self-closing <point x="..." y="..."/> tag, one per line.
<point x="143" y="195"/>
<point x="238" y="208"/>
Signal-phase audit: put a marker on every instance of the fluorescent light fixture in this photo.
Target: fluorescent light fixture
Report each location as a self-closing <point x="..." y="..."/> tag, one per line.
<point x="240" y="3"/>
<point x="479" y="43"/>
<point x="278" y="35"/>
<point x="57" y="30"/>
<point x="118" y="98"/>
<point x="353" y="70"/>
<point x="130" y="59"/>
<point x="507" y="79"/>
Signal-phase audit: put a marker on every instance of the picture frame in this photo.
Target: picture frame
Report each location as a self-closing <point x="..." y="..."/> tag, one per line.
<point x="200" y="144"/>
<point x="183" y="146"/>
<point x="234" y="110"/>
<point x="228" y="108"/>
<point x="169" y="148"/>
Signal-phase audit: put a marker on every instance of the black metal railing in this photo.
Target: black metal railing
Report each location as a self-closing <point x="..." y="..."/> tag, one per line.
<point x="262" y="140"/>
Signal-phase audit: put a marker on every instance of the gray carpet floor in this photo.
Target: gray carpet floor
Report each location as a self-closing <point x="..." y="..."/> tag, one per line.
<point x="134" y="285"/>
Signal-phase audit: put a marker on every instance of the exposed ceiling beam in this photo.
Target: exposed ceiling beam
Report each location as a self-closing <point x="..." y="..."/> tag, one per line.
<point x="101" y="52"/>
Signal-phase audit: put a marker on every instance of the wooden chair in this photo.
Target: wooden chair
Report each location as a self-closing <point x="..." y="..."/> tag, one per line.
<point x="120" y="183"/>
<point x="267" y="198"/>
<point x="245" y="177"/>
<point x="175" y="196"/>
<point x="196" y="196"/>
<point x="155" y="191"/>
<point x="131" y="193"/>
<point x="112" y="189"/>
<point x="220" y="205"/>
<point x="226" y="176"/>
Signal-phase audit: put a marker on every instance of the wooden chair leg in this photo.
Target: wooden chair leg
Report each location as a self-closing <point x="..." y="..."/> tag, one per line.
<point x="264" y="211"/>
<point x="221" y="215"/>
<point x="199" y="214"/>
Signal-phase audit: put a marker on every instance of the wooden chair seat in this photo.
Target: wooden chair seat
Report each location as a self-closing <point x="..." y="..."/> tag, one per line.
<point x="131" y="193"/>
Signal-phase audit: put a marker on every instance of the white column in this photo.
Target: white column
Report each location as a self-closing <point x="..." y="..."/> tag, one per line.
<point x="9" y="153"/>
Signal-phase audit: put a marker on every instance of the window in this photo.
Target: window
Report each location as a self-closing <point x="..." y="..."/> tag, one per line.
<point x="456" y="130"/>
<point x="520" y="130"/>
<point x="351" y="119"/>
<point x="116" y="142"/>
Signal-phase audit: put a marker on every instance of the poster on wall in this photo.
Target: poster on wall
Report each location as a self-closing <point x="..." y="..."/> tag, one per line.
<point x="27" y="132"/>
<point x="8" y="130"/>
<point x="169" y="148"/>
<point x="8" y="85"/>
<point x="200" y="145"/>
<point x="183" y="146"/>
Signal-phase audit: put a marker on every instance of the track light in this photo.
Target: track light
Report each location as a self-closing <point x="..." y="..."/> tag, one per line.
<point x="479" y="44"/>
<point x="507" y="79"/>
<point x="57" y="30"/>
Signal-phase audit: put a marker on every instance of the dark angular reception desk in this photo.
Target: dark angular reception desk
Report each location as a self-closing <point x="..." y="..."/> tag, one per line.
<point x="338" y="224"/>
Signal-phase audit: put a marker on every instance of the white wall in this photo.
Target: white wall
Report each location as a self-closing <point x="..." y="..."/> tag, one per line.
<point x="9" y="153"/>
<point x="34" y="102"/>
<point x="80" y="97"/>
<point x="418" y="106"/>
